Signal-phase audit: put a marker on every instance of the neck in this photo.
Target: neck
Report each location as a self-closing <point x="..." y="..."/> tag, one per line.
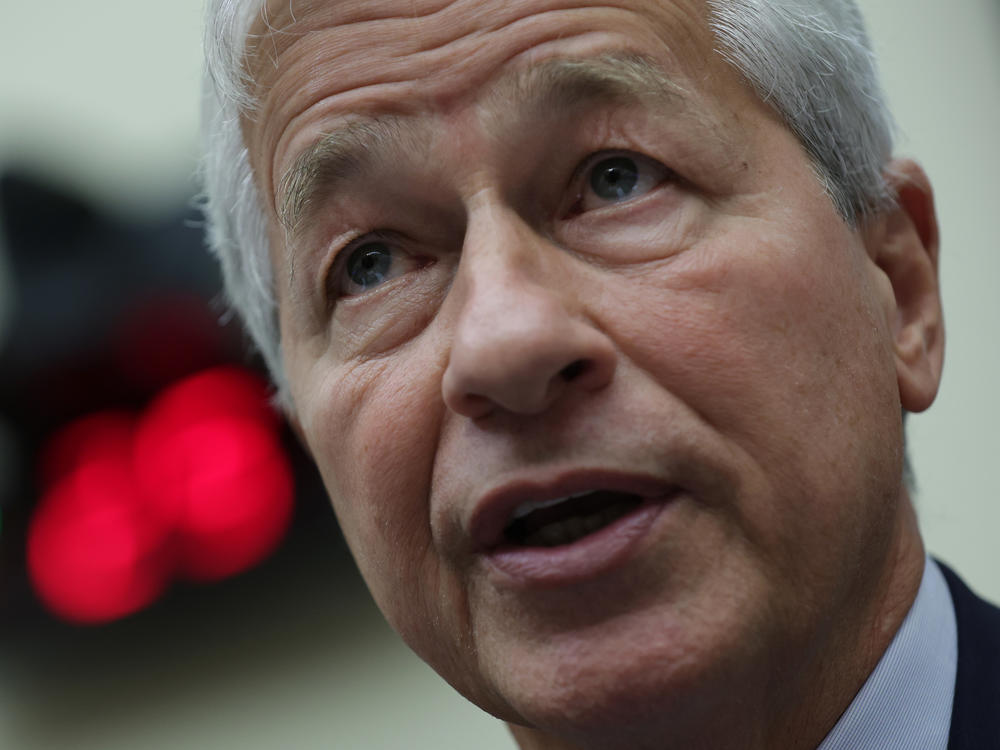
<point x="802" y="711"/>
<point x="850" y="655"/>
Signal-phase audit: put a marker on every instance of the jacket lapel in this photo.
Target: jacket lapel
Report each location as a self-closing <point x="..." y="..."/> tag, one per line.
<point x="975" y="716"/>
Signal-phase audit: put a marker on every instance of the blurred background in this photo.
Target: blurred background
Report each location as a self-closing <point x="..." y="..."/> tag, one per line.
<point x="112" y="337"/>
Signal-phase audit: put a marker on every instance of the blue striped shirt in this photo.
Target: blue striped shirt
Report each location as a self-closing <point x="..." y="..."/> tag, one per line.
<point x="906" y="702"/>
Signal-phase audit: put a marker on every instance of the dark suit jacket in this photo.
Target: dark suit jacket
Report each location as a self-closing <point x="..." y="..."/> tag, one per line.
<point x="975" y="714"/>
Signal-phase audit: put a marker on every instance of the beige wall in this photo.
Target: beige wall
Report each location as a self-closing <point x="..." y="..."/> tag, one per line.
<point x="941" y="64"/>
<point x="83" y="94"/>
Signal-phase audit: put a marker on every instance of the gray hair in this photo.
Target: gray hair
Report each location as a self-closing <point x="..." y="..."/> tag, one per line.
<point x="236" y="225"/>
<point x="810" y="60"/>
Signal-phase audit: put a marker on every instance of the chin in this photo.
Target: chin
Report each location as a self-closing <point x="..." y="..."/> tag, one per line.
<point x="663" y="670"/>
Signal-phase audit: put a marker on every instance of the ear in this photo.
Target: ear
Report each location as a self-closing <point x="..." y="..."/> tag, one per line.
<point x="903" y="242"/>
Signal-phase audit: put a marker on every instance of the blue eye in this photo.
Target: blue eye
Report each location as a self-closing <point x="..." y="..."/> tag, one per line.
<point x="370" y="262"/>
<point x="615" y="178"/>
<point x="609" y="178"/>
<point x="369" y="265"/>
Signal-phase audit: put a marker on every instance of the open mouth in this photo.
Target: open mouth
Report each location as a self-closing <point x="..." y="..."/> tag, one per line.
<point x="565" y="520"/>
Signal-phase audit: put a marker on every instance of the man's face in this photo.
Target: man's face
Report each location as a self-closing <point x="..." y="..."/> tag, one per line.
<point x="549" y="248"/>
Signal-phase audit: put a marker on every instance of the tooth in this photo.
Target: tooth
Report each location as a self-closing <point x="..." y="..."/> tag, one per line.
<point x="569" y="530"/>
<point x="525" y="508"/>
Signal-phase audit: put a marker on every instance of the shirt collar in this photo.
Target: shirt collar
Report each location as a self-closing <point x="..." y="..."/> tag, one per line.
<point x="906" y="701"/>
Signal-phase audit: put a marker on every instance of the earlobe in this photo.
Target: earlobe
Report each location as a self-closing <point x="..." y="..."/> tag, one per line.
<point x="905" y="247"/>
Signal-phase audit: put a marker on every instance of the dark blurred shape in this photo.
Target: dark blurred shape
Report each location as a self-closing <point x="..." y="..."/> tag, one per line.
<point x="105" y="435"/>
<point x="89" y="286"/>
<point x="164" y="338"/>
<point x="109" y="313"/>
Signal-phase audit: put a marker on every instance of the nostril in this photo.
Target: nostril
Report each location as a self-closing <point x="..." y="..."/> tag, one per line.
<point x="573" y="370"/>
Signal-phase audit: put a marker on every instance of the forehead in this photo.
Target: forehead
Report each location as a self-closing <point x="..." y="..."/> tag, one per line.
<point x="374" y="27"/>
<point x="311" y="60"/>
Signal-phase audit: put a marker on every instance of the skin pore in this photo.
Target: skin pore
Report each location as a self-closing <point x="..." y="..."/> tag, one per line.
<point x="524" y="246"/>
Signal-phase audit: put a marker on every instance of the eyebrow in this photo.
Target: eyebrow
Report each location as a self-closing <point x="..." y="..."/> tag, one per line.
<point x="336" y="157"/>
<point x="555" y="85"/>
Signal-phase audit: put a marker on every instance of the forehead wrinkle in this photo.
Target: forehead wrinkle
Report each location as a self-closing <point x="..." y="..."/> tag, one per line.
<point x="553" y="85"/>
<point x="564" y="82"/>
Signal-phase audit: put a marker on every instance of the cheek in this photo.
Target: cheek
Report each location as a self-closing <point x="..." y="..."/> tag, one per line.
<point x="778" y="327"/>
<point x="372" y="431"/>
<point x="778" y="348"/>
<point x="378" y="470"/>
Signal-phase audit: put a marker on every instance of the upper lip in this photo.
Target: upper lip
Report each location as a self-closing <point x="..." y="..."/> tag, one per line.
<point x="492" y="512"/>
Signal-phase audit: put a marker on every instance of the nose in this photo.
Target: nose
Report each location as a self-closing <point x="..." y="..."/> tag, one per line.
<point x="522" y="336"/>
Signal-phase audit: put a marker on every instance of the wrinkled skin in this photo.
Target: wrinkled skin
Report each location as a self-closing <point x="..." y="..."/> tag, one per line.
<point x="738" y="340"/>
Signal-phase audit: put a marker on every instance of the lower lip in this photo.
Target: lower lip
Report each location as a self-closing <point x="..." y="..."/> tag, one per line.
<point x="584" y="559"/>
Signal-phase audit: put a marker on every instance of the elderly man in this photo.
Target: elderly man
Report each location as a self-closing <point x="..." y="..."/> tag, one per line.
<point x="600" y="321"/>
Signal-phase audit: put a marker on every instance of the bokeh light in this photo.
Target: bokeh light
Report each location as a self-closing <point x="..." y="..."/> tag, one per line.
<point x="208" y="458"/>
<point x="95" y="550"/>
<point x="198" y="486"/>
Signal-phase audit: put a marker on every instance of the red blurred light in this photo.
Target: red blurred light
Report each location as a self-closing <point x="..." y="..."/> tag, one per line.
<point x="95" y="553"/>
<point x="207" y="457"/>
<point x="225" y="488"/>
<point x="220" y="391"/>
<point x="200" y="486"/>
